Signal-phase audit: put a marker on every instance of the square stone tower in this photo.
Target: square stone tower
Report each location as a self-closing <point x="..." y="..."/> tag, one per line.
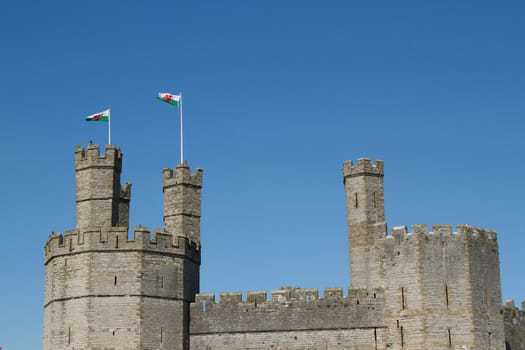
<point x="442" y="287"/>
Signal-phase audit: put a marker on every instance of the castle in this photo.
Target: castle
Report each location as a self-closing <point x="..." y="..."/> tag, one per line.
<point x="428" y="289"/>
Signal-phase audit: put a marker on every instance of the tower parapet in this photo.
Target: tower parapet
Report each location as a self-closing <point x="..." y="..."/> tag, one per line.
<point x="115" y="239"/>
<point x="364" y="166"/>
<point x="182" y="201"/>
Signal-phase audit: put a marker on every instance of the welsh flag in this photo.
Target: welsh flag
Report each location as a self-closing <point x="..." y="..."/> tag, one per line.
<point x="169" y="98"/>
<point x="99" y="117"/>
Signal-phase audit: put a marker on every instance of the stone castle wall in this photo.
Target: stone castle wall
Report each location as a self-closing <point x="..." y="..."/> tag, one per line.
<point x="291" y="319"/>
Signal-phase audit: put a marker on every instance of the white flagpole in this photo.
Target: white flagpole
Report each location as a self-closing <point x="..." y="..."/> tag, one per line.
<point x="181" y="134"/>
<point x="109" y="125"/>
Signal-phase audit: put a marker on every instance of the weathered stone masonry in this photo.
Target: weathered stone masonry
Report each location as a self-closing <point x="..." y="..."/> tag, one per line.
<point x="104" y="291"/>
<point x="514" y="325"/>
<point x="425" y="289"/>
<point x="291" y="319"/>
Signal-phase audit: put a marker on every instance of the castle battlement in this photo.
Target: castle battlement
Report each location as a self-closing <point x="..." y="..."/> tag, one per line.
<point x="116" y="239"/>
<point x="364" y="166"/>
<point x="292" y="294"/>
<point x="90" y="156"/>
<point x="288" y="309"/>
<point x="443" y="232"/>
<point x="511" y="305"/>
<point x="181" y="175"/>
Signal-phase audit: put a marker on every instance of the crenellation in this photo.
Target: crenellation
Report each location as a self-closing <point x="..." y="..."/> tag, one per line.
<point x="364" y="166"/>
<point x="142" y="235"/>
<point x="288" y="309"/>
<point x="419" y="229"/>
<point x="399" y="232"/>
<point x="306" y="293"/>
<point x="354" y="293"/>
<point x="205" y="297"/>
<point x="256" y="297"/>
<point x="230" y="297"/>
<point x="90" y="156"/>
<point x="333" y="293"/>
<point x="181" y="175"/>
<point x="116" y="238"/>
<point x="291" y="294"/>
<point x="442" y="230"/>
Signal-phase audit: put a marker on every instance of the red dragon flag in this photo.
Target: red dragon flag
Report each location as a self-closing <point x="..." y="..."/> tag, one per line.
<point x="169" y="98"/>
<point x="102" y="117"/>
<point x="99" y="117"/>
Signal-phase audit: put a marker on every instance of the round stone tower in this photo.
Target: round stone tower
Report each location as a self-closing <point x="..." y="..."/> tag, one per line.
<point x="105" y="291"/>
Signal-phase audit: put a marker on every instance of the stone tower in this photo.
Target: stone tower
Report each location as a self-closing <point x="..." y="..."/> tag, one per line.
<point x="442" y="288"/>
<point x="365" y="211"/>
<point x="101" y="200"/>
<point x="106" y="291"/>
<point x="182" y="201"/>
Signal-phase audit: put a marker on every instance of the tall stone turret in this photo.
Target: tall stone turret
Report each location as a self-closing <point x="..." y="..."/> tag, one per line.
<point x="182" y="201"/>
<point x="365" y="212"/>
<point x="101" y="201"/>
<point x="104" y="290"/>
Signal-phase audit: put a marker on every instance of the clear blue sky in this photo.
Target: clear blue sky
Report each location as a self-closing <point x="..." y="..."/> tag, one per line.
<point x="277" y="95"/>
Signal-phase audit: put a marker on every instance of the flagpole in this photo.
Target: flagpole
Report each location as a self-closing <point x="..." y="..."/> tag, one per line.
<point x="181" y="134"/>
<point x="109" y="125"/>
